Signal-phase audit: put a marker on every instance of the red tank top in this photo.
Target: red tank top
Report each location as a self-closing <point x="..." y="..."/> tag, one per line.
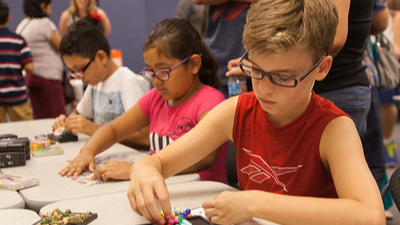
<point x="286" y="159"/>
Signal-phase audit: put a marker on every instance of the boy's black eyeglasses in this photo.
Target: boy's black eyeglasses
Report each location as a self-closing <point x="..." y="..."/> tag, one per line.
<point x="279" y="79"/>
<point x="163" y="74"/>
<point x="81" y="73"/>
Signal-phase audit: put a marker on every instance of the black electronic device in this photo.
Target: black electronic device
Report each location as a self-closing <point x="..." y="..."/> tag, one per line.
<point x="11" y="159"/>
<point x="14" y="150"/>
<point x="6" y="136"/>
<point x="16" y="144"/>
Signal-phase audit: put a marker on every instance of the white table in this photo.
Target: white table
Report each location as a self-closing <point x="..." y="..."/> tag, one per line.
<point x="18" y="216"/>
<point x="52" y="186"/>
<point x="11" y="200"/>
<point x="27" y="128"/>
<point x="114" y="208"/>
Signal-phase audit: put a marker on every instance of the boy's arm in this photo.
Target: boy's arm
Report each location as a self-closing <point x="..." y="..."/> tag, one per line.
<point x="359" y="199"/>
<point x="148" y="174"/>
<point x="343" y="7"/>
<point x="341" y="150"/>
<point x="107" y="135"/>
<point x="210" y="133"/>
<point x="205" y="163"/>
<point x="28" y="67"/>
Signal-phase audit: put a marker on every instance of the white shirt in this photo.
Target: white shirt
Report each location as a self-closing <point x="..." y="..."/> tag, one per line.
<point x="109" y="99"/>
<point x="37" y="33"/>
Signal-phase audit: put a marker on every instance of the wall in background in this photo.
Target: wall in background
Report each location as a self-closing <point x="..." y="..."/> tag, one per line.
<point x="131" y="20"/>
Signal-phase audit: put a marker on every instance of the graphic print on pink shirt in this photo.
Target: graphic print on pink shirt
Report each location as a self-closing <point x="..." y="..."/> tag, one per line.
<point x="182" y="126"/>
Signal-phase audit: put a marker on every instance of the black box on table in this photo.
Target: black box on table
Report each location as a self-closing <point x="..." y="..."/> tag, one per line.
<point x="14" y="151"/>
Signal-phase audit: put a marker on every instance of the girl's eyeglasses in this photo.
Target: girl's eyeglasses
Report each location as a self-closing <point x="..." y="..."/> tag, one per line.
<point x="163" y="74"/>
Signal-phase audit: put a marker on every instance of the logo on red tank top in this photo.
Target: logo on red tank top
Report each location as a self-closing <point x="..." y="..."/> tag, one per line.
<point x="259" y="171"/>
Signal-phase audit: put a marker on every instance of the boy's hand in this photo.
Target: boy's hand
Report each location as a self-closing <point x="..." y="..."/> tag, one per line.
<point x="59" y="122"/>
<point x="228" y="208"/>
<point x="147" y="185"/>
<point x="79" y="124"/>
<point x="113" y="169"/>
<point x="78" y="164"/>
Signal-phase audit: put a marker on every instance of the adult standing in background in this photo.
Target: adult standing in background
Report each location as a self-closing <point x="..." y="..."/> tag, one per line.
<point x="45" y="89"/>
<point x="389" y="111"/>
<point x="194" y="13"/>
<point x="373" y="140"/>
<point x="223" y="34"/>
<point x="347" y="84"/>
<point x="84" y="8"/>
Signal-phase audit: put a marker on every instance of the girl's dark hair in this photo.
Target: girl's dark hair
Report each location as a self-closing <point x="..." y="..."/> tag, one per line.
<point x="32" y="8"/>
<point x="177" y="38"/>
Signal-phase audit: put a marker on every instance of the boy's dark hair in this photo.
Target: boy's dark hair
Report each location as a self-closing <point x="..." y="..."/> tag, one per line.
<point x="32" y="8"/>
<point x="4" y="13"/>
<point x="177" y="38"/>
<point x="83" y="39"/>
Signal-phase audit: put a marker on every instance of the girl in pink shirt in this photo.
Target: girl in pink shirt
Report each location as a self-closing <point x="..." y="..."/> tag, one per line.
<point x="183" y="73"/>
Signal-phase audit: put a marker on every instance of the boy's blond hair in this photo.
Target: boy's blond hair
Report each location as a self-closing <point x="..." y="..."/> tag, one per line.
<point x="277" y="25"/>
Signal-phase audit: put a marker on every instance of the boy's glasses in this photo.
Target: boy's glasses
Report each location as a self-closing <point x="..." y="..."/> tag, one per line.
<point x="279" y="79"/>
<point x="163" y="74"/>
<point x="81" y="73"/>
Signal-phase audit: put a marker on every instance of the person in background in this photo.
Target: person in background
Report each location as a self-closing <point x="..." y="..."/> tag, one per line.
<point x="111" y="90"/>
<point x="45" y="88"/>
<point x="389" y="110"/>
<point x="183" y="72"/>
<point x="84" y="8"/>
<point x="347" y="84"/>
<point x="15" y="56"/>
<point x="300" y="158"/>
<point x="194" y="13"/>
<point x="224" y="28"/>
<point x="373" y="139"/>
